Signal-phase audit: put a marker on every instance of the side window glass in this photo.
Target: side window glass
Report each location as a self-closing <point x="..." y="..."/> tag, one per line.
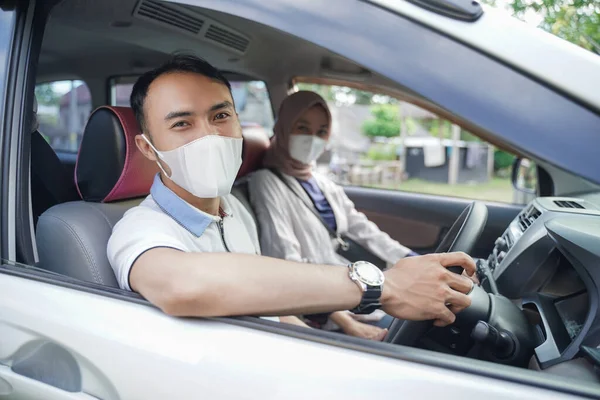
<point x="119" y="95"/>
<point x="63" y="109"/>
<point x="253" y="104"/>
<point x="380" y="142"/>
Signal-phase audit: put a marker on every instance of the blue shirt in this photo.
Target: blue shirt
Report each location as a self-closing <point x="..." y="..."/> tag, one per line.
<point x="320" y="201"/>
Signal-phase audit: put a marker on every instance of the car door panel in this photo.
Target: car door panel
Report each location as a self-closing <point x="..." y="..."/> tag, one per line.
<point x="409" y="231"/>
<point x="420" y="221"/>
<point x="127" y="350"/>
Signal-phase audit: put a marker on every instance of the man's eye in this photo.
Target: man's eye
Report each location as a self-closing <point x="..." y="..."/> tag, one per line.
<point x="179" y="124"/>
<point x="303" y="128"/>
<point x="221" y="115"/>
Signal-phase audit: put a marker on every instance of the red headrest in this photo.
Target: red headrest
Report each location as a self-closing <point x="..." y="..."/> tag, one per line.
<point x="109" y="165"/>
<point x="256" y="143"/>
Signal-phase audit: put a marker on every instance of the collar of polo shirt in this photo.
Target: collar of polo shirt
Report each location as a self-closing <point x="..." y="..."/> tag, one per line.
<point x="186" y="215"/>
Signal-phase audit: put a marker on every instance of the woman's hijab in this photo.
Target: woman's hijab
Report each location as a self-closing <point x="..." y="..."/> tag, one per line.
<point x="278" y="154"/>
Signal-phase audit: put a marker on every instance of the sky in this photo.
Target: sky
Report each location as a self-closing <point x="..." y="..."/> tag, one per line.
<point x="62" y="87"/>
<point x="531" y="17"/>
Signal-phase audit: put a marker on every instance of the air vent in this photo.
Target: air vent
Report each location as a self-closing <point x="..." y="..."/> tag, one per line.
<point x="568" y="204"/>
<point x="169" y="14"/>
<point x="527" y="218"/>
<point x="227" y="38"/>
<point x="186" y="20"/>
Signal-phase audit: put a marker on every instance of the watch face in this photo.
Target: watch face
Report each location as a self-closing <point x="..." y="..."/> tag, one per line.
<point x="368" y="273"/>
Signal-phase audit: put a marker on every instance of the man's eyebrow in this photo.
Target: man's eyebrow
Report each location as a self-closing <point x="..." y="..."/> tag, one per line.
<point x="178" y="114"/>
<point x="224" y="104"/>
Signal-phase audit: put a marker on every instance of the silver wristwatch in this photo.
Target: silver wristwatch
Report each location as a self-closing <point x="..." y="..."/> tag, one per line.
<point x="370" y="280"/>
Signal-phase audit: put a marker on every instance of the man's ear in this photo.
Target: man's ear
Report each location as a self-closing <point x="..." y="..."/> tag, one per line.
<point x="145" y="148"/>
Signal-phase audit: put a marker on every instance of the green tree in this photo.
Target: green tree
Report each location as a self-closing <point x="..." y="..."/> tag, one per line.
<point x="385" y="122"/>
<point x="381" y="152"/>
<point x="577" y="21"/>
<point x="46" y="95"/>
<point x="502" y="160"/>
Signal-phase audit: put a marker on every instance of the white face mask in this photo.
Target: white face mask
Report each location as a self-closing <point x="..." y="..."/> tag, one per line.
<point x="306" y="148"/>
<point x="205" y="167"/>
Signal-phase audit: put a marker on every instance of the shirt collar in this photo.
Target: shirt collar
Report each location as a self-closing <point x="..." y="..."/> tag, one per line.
<point x="186" y="215"/>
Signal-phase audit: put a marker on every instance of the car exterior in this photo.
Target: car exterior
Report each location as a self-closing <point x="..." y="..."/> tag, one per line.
<point x="62" y="339"/>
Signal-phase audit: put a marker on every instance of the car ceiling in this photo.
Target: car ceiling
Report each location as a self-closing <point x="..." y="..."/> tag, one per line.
<point x="82" y="41"/>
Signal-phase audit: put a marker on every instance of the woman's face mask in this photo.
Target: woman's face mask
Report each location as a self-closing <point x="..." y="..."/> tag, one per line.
<point x="306" y="148"/>
<point x="205" y="167"/>
<point x="309" y="135"/>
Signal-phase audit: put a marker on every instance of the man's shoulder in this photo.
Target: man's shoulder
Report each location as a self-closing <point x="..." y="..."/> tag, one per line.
<point x="145" y="213"/>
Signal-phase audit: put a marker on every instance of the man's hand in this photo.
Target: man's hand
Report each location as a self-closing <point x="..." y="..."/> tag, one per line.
<point x="422" y="288"/>
<point x="473" y="277"/>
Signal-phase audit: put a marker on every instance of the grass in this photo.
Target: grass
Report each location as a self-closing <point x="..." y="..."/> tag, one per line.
<point x="498" y="189"/>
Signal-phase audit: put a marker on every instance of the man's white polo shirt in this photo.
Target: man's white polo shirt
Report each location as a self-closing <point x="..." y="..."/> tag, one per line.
<point x="163" y="219"/>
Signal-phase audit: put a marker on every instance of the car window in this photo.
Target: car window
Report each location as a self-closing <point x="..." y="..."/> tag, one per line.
<point x="380" y="142"/>
<point x="63" y="110"/>
<point x="251" y="99"/>
<point x="253" y="104"/>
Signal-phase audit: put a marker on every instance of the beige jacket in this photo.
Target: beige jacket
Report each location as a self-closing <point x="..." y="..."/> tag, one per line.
<point x="289" y="230"/>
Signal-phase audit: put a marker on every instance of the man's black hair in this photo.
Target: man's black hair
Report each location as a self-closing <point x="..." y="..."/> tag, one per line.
<point x="177" y="63"/>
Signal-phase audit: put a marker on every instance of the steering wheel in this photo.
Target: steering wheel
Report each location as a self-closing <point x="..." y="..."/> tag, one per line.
<point x="462" y="236"/>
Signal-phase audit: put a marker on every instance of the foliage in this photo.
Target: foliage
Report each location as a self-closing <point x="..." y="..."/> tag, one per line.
<point x="502" y="160"/>
<point x="46" y="95"/>
<point x="468" y="137"/>
<point x="385" y="122"/>
<point x="382" y="152"/>
<point x="577" y="21"/>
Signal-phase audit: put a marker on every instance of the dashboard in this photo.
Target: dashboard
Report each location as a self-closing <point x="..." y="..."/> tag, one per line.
<point x="548" y="262"/>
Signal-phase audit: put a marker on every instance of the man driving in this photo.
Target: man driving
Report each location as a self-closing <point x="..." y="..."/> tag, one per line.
<point x="191" y="248"/>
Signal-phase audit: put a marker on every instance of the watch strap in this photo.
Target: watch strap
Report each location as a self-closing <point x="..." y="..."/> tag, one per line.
<point x="371" y="301"/>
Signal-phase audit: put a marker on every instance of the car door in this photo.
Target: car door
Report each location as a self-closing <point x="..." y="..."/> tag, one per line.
<point x="59" y="341"/>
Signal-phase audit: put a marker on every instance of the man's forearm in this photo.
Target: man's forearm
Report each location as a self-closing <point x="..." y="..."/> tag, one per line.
<point x="221" y="284"/>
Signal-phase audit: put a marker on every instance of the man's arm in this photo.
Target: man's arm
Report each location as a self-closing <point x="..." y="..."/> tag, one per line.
<point x="226" y="284"/>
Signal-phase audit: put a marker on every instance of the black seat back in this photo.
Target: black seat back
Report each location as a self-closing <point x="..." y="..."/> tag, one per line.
<point x="51" y="184"/>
